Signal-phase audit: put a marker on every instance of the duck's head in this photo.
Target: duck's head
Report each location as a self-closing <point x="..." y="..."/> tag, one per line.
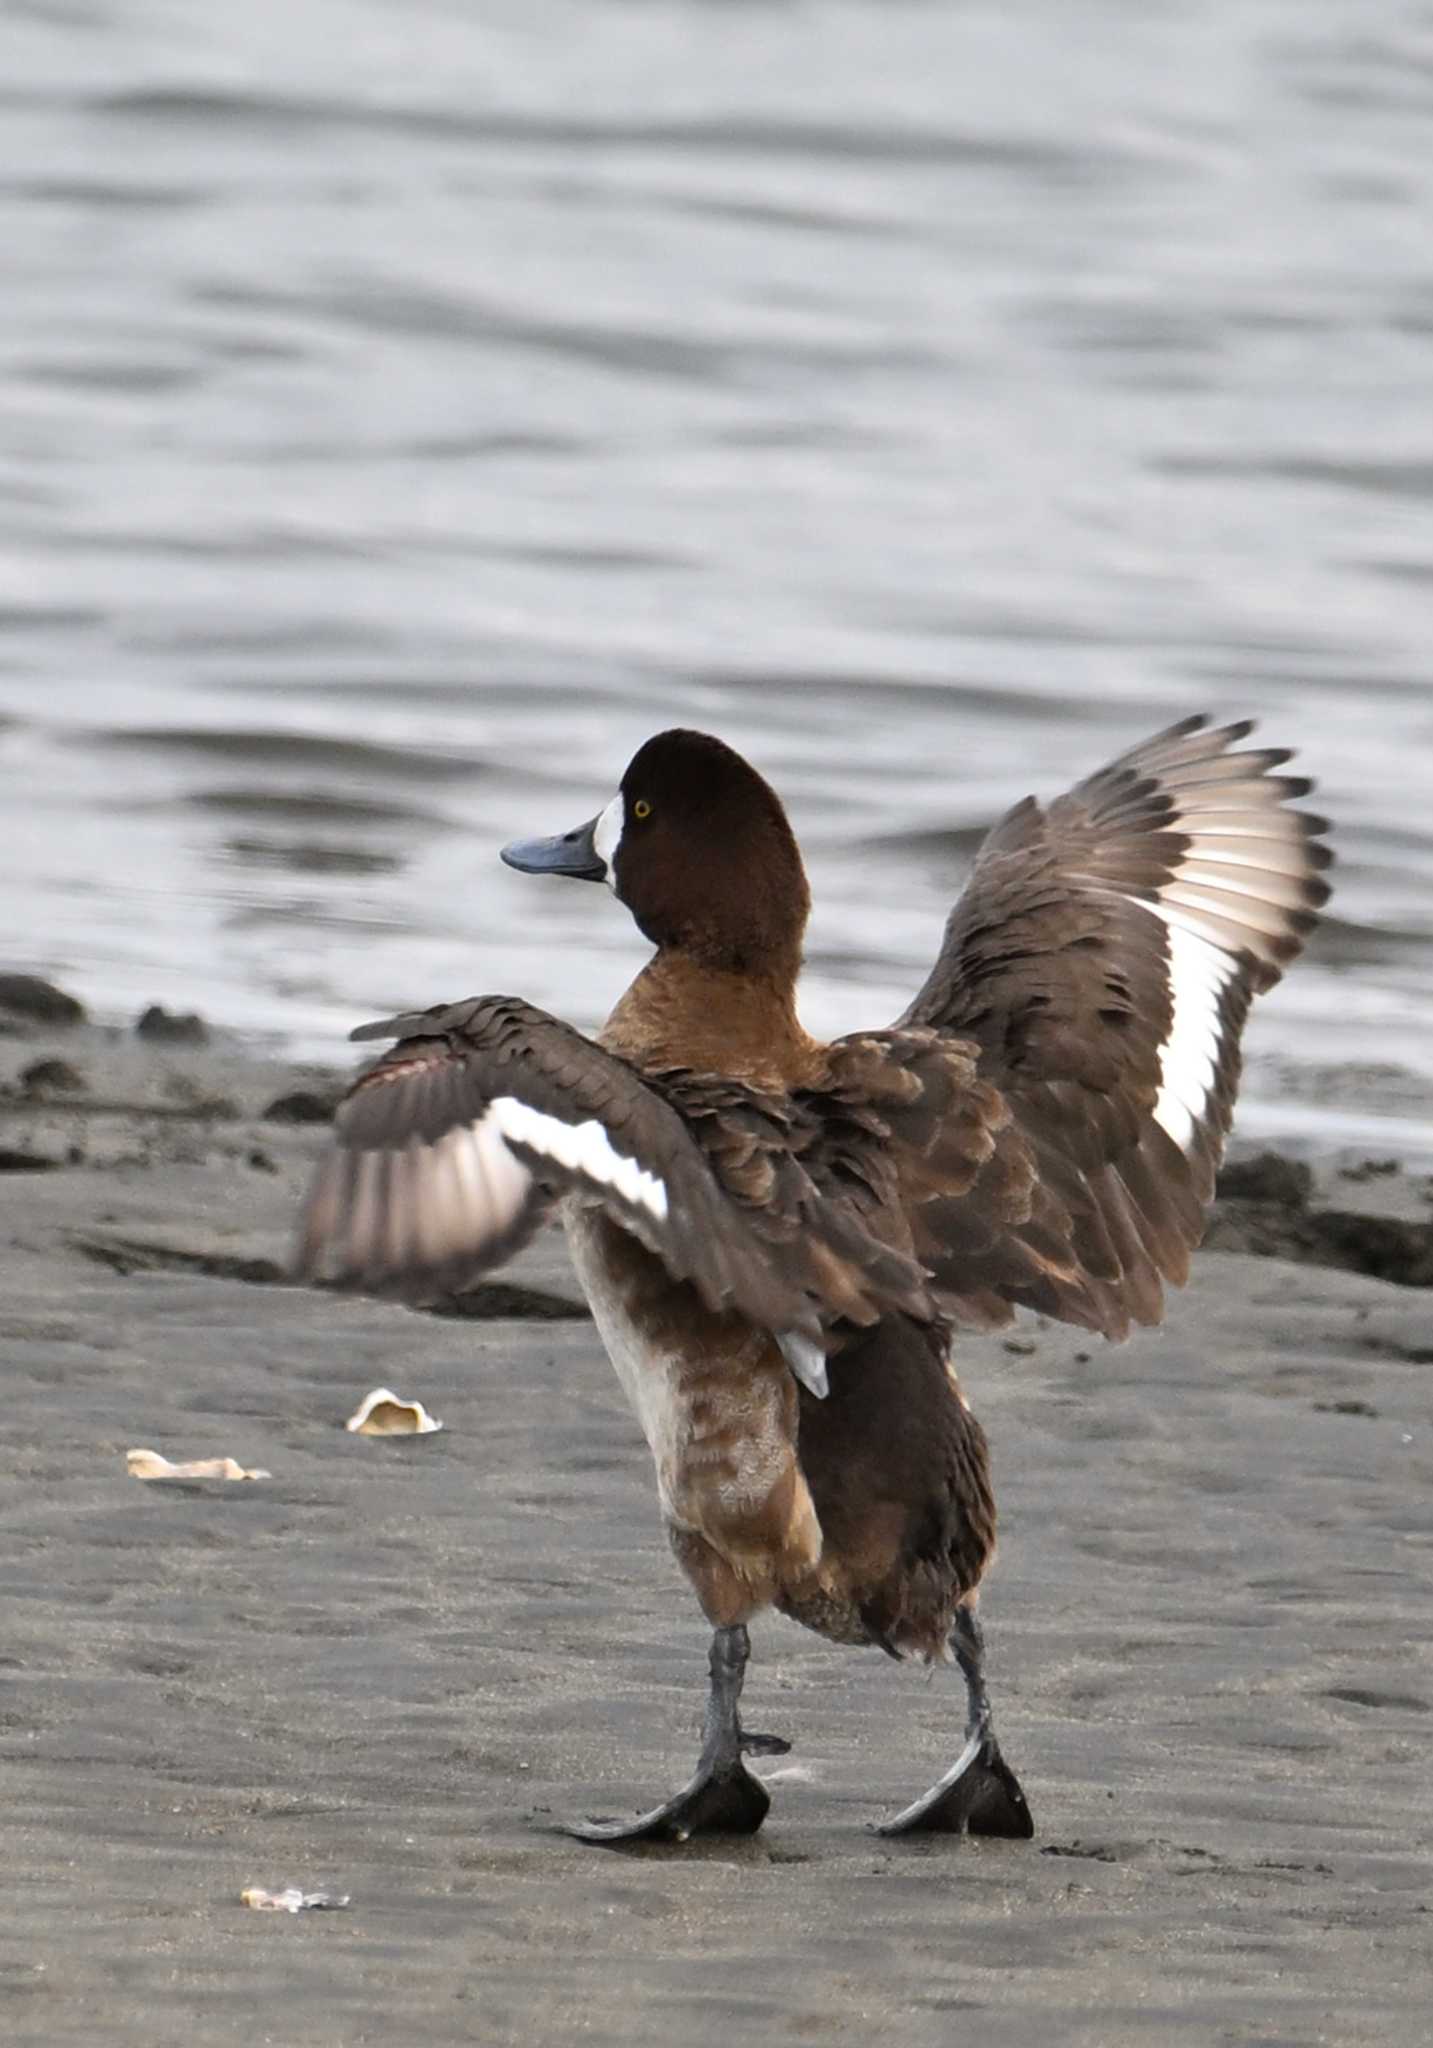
<point x="699" y="849"/>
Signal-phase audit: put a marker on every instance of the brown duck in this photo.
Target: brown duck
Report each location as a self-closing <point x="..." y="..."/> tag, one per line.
<point x="779" y="1237"/>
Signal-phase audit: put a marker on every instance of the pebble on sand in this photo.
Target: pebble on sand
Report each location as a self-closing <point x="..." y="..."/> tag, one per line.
<point x="38" y="1001"/>
<point x="302" y="1106"/>
<point x="52" y="1077"/>
<point x="170" y="1027"/>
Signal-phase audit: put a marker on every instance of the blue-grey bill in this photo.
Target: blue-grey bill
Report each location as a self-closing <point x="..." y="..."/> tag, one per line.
<point x="568" y="853"/>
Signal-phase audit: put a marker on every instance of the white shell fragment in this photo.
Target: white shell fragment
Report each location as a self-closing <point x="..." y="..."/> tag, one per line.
<point x="383" y="1413"/>
<point x="290" y="1899"/>
<point x="151" y="1465"/>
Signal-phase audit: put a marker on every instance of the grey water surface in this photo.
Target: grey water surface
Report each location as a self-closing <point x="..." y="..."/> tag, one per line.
<point x="406" y="408"/>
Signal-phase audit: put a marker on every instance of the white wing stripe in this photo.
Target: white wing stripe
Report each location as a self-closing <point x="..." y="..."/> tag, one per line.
<point x="582" y="1148"/>
<point x="1199" y="972"/>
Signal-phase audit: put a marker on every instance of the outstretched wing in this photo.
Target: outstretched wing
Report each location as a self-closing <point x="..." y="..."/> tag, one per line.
<point x="450" y="1149"/>
<point x="1102" y="960"/>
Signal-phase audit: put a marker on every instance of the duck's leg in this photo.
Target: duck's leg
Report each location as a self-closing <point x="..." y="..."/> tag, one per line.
<point x="723" y="1798"/>
<point x="979" y="1792"/>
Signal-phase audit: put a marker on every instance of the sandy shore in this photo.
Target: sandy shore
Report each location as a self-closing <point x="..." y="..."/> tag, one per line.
<point x="388" y="1667"/>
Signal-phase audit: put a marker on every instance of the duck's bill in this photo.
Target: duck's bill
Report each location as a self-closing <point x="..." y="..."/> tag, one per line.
<point x="569" y="853"/>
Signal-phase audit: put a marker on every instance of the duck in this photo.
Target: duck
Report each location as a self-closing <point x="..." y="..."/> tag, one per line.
<point x="781" y="1239"/>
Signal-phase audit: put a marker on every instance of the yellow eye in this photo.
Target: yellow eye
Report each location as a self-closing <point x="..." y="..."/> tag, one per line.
<point x="641" y="809"/>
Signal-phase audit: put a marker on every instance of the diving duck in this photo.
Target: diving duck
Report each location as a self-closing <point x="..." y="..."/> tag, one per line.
<point x="780" y="1238"/>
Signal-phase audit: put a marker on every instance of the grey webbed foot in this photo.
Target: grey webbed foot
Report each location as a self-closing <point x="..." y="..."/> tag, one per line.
<point x="729" y="1803"/>
<point x="979" y="1794"/>
<point x="723" y="1798"/>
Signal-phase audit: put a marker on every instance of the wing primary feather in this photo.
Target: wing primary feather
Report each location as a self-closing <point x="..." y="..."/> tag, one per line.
<point x="395" y="1212"/>
<point x="364" y="1235"/>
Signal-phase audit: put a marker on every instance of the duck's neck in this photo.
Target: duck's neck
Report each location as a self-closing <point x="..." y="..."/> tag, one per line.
<point x="680" y="1012"/>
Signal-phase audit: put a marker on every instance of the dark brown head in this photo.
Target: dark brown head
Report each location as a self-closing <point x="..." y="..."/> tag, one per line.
<point x="699" y="849"/>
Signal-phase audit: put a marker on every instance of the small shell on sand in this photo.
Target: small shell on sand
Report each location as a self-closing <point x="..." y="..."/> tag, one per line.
<point x="384" y="1413"/>
<point x="150" y="1465"/>
<point x="290" y="1899"/>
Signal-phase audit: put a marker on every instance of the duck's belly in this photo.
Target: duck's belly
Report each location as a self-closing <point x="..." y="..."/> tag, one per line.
<point x="714" y="1398"/>
<point x="625" y="1311"/>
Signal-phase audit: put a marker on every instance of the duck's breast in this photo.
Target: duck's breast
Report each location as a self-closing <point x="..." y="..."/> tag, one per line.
<point x="639" y="1337"/>
<point x="713" y="1395"/>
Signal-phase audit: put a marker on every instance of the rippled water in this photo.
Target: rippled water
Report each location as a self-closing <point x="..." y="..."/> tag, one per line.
<point x="406" y="409"/>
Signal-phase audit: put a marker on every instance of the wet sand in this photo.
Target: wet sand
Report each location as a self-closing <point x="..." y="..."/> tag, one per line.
<point x="391" y="1666"/>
